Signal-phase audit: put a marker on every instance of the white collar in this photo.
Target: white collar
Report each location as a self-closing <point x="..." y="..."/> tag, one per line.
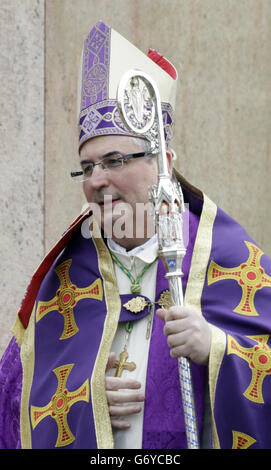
<point x="147" y="252"/>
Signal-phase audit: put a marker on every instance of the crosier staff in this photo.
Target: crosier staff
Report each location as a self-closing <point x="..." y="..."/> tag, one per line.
<point x="140" y="108"/>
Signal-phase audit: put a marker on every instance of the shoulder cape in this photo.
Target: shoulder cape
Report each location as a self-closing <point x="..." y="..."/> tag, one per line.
<point x="228" y="280"/>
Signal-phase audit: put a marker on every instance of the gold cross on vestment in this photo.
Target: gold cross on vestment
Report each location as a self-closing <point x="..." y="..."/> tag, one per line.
<point x="250" y="276"/>
<point x="66" y="298"/>
<point x="122" y="365"/>
<point x="60" y="405"/>
<point x="259" y="361"/>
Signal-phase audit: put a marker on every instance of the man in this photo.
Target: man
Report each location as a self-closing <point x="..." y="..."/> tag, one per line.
<point x="188" y="332"/>
<point x="95" y="363"/>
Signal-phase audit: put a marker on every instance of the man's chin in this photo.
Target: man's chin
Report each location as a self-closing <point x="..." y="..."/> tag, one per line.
<point x="117" y="226"/>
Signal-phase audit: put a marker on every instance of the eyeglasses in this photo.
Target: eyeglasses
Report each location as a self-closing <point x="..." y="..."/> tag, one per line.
<point x="114" y="161"/>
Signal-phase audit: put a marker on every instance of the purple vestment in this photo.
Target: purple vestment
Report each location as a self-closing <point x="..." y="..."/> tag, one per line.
<point x="235" y="298"/>
<point x="10" y="397"/>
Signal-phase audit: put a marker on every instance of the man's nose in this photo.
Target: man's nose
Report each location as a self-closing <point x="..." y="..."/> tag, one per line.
<point x="99" y="178"/>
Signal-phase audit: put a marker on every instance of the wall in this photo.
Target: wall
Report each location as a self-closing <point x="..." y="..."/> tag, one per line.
<point x="22" y="152"/>
<point x="223" y="118"/>
<point x="222" y="136"/>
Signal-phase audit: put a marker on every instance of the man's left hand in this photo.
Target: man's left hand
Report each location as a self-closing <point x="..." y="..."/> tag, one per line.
<point x="188" y="333"/>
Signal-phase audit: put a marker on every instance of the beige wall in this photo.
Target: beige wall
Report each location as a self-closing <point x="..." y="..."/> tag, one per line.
<point x="22" y="151"/>
<point x="221" y="49"/>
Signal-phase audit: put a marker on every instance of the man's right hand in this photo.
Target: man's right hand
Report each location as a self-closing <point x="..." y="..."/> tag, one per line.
<point x="123" y="397"/>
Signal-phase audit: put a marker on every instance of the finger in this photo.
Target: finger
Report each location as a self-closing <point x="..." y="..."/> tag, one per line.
<point x="118" y="411"/>
<point x="111" y="361"/>
<point x="161" y="313"/>
<point x="172" y="313"/>
<point x="120" y="424"/>
<point x="116" y="383"/>
<point x="175" y="326"/>
<point x="182" y="346"/>
<point x="177" y="312"/>
<point x="115" y="398"/>
<point x="178" y="339"/>
<point x="180" y="351"/>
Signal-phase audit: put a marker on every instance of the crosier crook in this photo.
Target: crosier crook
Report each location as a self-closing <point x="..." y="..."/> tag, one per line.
<point x="140" y="107"/>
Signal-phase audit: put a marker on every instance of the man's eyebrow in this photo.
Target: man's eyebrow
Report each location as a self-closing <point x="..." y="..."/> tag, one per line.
<point x="108" y="154"/>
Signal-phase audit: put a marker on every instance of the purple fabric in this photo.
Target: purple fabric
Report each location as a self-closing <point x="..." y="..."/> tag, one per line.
<point x="52" y="352"/>
<point x="233" y="411"/>
<point x="219" y="301"/>
<point x="10" y="388"/>
<point x="11" y="377"/>
<point x="164" y="426"/>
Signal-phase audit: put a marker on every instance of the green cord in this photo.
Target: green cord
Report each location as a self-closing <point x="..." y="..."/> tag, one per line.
<point x="135" y="283"/>
<point x="129" y="326"/>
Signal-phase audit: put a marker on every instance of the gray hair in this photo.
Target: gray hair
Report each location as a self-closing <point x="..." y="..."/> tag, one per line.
<point x="144" y="145"/>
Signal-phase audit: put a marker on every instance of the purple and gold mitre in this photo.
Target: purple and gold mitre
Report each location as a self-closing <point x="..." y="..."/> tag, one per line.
<point x="106" y="57"/>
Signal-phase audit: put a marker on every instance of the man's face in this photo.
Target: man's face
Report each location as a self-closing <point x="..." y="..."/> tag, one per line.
<point x="120" y="189"/>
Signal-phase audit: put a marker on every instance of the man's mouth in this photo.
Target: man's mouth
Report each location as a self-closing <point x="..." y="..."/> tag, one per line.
<point x="108" y="201"/>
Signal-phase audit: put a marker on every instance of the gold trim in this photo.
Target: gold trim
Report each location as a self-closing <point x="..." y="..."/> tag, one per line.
<point x="165" y="300"/>
<point x="27" y="358"/>
<point x="136" y="304"/>
<point x="218" y="347"/>
<point x="18" y="330"/>
<point x="194" y="288"/>
<point x="201" y="254"/>
<point x="246" y="440"/>
<point x="104" y="435"/>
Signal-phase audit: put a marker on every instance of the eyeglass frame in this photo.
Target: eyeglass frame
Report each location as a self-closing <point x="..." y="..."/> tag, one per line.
<point x="123" y="159"/>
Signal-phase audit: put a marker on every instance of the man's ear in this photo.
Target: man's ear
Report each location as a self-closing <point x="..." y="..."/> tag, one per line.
<point x="170" y="162"/>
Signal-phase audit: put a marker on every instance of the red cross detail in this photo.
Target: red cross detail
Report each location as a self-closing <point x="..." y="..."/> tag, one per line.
<point x="60" y="404"/>
<point x="67" y="296"/>
<point x="249" y="275"/>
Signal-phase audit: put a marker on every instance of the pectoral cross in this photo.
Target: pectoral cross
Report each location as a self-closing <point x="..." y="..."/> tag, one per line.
<point x="121" y="364"/>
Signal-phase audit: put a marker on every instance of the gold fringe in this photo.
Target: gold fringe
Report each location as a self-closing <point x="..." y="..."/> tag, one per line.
<point x="27" y="358"/>
<point x="218" y="347"/>
<point x="195" y="284"/>
<point x="201" y="254"/>
<point x="104" y="435"/>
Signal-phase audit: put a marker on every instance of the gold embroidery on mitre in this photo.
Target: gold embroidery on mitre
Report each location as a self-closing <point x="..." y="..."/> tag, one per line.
<point x="136" y="305"/>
